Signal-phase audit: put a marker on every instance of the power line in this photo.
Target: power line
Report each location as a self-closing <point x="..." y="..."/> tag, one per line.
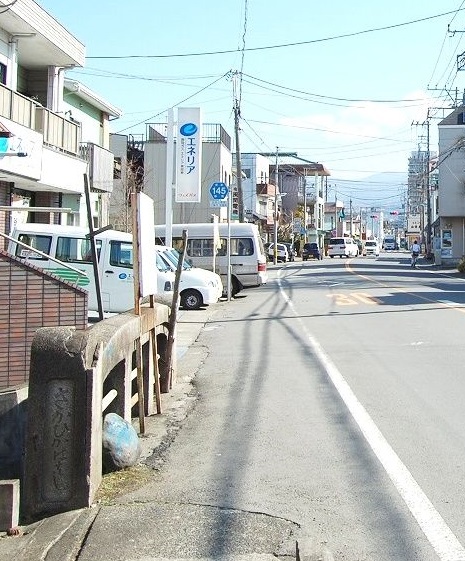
<point x="174" y="105"/>
<point x="331" y="97"/>
<point x="284" y="45"/>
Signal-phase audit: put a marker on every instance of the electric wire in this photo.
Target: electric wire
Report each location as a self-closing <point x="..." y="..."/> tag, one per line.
<point x="174" y="105"/>
<point x="284" y="45"/>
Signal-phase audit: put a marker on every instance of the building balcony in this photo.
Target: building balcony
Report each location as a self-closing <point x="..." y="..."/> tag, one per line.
<point x="211" y="133"/>
<point x="101" y="165"/>
<point x="58" y="133"/>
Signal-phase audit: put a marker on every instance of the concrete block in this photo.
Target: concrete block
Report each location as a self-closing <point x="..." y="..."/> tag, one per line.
<point x="9" y="504"/>
<point x="309" y="549"/>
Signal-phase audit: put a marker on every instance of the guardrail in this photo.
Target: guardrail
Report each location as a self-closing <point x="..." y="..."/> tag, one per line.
<point x="76" y="377"/>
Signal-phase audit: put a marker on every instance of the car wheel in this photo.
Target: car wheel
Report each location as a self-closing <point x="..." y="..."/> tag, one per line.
<point x="331" y="256"/>
<point x="191" y="299"/>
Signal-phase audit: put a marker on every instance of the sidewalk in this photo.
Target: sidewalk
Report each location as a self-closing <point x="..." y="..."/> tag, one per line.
<point x="60" y="537"/>
<point x="149" y="530"/>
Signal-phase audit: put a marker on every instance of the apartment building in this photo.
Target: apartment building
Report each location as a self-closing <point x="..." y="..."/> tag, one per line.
<point x="449" y="228"/>
<point x="52" y="130"/>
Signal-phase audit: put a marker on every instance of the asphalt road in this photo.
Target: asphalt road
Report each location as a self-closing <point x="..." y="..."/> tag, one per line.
<point x="333" y="398"/>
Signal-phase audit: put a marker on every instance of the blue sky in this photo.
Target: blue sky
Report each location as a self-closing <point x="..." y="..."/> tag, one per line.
<point x="337" y="82"/>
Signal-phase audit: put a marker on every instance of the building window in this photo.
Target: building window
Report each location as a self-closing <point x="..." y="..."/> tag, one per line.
<point x="2" y="73"/>
<point x="117" y="168"/>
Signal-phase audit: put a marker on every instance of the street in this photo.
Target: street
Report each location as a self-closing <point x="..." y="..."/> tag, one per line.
<point x="332" y="397"/>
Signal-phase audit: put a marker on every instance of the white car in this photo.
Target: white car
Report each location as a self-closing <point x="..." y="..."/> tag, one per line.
<point x="281" y="252"/>
<point x="342" y="247"/>
<point x="372" y="248"/>
<point x="198" y="287"/>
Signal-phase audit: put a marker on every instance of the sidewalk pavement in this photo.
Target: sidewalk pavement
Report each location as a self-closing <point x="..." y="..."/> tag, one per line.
<point x="152" y="530"/>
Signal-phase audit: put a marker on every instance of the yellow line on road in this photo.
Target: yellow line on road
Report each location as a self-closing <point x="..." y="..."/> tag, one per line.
<point x="403" y="291"/>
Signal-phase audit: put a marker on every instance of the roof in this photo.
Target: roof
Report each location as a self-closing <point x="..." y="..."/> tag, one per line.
<point x="86" y="94"/>
<point x="290" y="159"/>
<point x="454" y="118"/>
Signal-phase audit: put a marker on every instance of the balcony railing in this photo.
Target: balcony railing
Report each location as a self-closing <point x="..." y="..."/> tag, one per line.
<point x="100" y="166"/>
<point x="211" y="132"/>
<point x="58" y="132"/>
<point x="17" y="107"/>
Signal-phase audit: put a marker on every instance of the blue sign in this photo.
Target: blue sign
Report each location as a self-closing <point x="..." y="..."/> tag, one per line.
<point x="219" y="190"/>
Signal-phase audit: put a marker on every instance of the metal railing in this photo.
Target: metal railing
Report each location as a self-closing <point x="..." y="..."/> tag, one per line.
<point x="58" y="132"/>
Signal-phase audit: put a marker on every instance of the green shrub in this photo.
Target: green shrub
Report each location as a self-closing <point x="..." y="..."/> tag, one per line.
<point x="461" y="265"/>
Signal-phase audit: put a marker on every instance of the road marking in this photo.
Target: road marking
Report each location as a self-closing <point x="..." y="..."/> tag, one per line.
<point x="443" y="303"/>
<point x="353" y="299"/>
<point x="437" y="532"/>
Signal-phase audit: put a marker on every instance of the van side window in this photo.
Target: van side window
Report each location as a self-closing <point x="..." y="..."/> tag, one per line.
<point x="121" y="254"/>
<point x="75" y="250"/>
<point x="42" y="243"/>
<point x="222" y="250"/>
<point x="241" y="246"/>
<point x="177" y="244"/>
<point x="202" y="247"/>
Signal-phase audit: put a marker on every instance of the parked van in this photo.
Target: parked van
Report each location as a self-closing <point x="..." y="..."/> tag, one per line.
<point x="69" y="246"/>
<point x="197" y="287"/>
<point x="247" y="255"/>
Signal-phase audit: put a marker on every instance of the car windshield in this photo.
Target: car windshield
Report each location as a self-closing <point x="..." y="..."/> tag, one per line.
<point x="173" y="257"/>
<point x="162" y="265"/>
<point x="369" y="244"/>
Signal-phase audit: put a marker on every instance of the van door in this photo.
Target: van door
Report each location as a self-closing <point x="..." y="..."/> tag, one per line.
<point x="116" y="275"/>
<point x="244" y="261"/>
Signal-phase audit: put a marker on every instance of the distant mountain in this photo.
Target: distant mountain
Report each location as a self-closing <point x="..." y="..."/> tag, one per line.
<point x="382" y="191"/>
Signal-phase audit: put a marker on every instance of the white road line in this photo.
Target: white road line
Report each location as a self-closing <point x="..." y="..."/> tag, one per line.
<point x="438" y="533"/>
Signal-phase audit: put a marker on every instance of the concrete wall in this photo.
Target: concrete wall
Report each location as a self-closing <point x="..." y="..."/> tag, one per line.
<point x="452" y="171"/>
<point x="73" y="374"/>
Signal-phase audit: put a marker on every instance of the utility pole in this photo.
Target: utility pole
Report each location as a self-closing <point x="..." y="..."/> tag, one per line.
<point x="426" y="228"/>
<point x="305" y="210"/>
<point x="336" y="218"/>
<point x="428" y="193"/>
<point x="237" y="113"/>
<point x="275" y="223"/>
<point x="351" y="219"/>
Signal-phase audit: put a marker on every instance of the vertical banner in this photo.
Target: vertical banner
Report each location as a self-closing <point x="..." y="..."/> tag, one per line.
<point x="145" y="239"/>
<point x="188" y="155"/>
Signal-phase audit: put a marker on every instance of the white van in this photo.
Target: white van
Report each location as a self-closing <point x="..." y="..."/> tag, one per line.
<point x="247" y="254"/>
<point x="390" y="243"/>
<point x="197" y="287"/>
<point x="344" y="247"/>
<point x="69" y="246"/>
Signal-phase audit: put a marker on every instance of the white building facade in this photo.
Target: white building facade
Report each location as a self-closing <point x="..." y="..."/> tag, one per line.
<point x="52" y="131"/>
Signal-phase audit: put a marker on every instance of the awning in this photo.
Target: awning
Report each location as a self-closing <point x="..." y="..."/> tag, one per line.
<point x="4" y="132"/>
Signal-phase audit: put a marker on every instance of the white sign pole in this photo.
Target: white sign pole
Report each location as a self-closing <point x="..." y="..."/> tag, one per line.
<point x="229" y="244"/>
<point x="169" y="180"/>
